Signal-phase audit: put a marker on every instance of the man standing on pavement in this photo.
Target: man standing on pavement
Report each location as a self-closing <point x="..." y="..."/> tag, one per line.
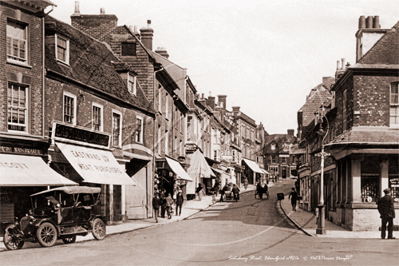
<point x="179" y="202"/>
<point x="387" y="211"/>
<point x="294" y="196"/>
<point x="156" y="202"/>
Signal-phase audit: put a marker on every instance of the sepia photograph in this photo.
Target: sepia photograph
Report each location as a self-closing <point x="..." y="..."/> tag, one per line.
<point x="199" y="132"/>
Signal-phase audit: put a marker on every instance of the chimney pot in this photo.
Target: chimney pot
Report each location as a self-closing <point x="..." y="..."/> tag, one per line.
<point x="343" y="63"/>
<point x="338" y="64"/>
<point x="77" y="11"/>
<point x="102" y="10"/>
<point x="369" y="22"/>
<point x="376" y="22"/>
<point x="149" y="23"/>
<point x="362" y="22"/>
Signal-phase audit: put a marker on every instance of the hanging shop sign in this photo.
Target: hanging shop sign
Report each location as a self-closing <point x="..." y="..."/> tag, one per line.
<point x="394" y="182"/>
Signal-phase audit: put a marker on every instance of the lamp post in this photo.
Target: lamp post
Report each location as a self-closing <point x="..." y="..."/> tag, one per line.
<point x="321" y="221"/>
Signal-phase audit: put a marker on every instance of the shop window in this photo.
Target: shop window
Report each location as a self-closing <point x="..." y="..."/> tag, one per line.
<point x="370" y="177"/>
<point x="394" y="107"/>
<point x="17" y="42"/>
<point x="97" y="117"/>
<point x="116" y="129"/>
<point x="394" y="178"/>
<point x="17" y="103"/>
<point x="69" y="108"/>
<point x="139" y="130"/>
<point x="62" y="46"/>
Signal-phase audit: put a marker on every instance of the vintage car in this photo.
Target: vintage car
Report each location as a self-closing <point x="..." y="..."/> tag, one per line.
<point x="58" y="213"/>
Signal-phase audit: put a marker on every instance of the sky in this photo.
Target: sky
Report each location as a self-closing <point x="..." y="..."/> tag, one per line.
<point x="265" y="56"/>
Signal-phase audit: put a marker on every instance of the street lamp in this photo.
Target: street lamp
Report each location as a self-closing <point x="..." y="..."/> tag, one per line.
<point x="321" y="222"/>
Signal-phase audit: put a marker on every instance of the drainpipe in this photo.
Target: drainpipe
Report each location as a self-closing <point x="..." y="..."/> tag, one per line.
<point x="153" y="139"/>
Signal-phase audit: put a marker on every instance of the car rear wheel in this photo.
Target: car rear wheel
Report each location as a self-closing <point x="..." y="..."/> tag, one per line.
<point x="99" y="229"/>
<point x="46" y="234"/>
<point x="12" y="241"/>
<point x="68" y="240"/>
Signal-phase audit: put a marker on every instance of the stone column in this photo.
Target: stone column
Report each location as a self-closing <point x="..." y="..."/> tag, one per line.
<point x="356" y="180"/>
<point x="384" y="182"/>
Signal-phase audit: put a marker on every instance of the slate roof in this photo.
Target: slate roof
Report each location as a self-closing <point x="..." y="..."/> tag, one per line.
<point x="317" y="96"/>
<point x="382" y="51"/>
<point x="93" y="64"/>
<point x="368" y="136"/>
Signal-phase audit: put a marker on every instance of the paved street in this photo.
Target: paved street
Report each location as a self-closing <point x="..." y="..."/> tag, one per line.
<point x="250" y="231"/>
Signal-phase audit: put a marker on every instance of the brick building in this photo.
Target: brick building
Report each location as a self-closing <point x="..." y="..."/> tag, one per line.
<point x="24" y="140"/>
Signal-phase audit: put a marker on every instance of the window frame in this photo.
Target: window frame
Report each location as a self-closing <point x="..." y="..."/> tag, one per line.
<point x="10" y="58"/>
<point x="139" y="138"/>
<point x="132" y="84"/>
<point x="70" y="95"/>
<point x="101" y="129"/>
<point x="394" y="106"/>
<point x="119" y="144"/>
<point x="26" y="109"/>
<point x="56" y="37"/>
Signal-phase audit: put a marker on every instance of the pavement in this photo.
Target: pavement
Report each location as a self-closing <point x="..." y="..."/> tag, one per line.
<point x="307" y="222"/>
<point x="304" y="220"/>
<point x="189" y="209"/>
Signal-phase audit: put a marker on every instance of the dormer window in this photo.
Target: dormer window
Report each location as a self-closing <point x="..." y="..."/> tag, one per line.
<point x="128" y="49"/>
<point x="131" y="84"/>
<point x="62" y="49"/>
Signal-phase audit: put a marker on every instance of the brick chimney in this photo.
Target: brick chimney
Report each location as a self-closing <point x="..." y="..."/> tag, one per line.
<point x="96" y="26"/>
<point x="290" y="132"/>
<point x="222" y="101"/>
<point x="162" y="51"/>
<point x="146" y="35"/>
<point x="368" y="34"/>
<point x="211" y="102"/>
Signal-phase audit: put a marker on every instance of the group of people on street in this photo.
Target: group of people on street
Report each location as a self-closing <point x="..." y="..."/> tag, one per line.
<point x="165" y="201"/>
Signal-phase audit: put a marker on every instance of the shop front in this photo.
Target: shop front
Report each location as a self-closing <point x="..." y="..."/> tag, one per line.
<point x="200" y="172"/>
<point x="252" y="171"/>
<point x="24" y="172"/>
<point x="171" y="176"/>
<point x="84" y="157"/>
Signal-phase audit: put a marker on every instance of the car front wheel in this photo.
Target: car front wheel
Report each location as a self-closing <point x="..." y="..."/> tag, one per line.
<point x="68" y="240"/>
<point x="46" y="234"/>
<point x="11" y="240"/>
<point x="99" y="229"/>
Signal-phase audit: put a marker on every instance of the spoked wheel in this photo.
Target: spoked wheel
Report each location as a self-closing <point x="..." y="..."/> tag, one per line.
<point x="11" y="240"/>
<point x="99" y="229"/>
<point x="68" y="240"/>
<point x="46" y="234"/>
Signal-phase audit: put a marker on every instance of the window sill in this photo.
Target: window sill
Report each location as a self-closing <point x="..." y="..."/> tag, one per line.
<point x="18" y="63"/>
<point x="64" y="63"/>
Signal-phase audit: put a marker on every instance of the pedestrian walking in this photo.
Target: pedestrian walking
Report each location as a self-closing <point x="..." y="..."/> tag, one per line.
<point x="179" y="202"/>
<point x="294" y="197"/>
<point x="387" y="211"/>
<point x="223" y="192"/>
<point x="259" y="190"/>
<point x="199" y="191"/>
<point x="245" y="181"/>
<point x="266" y="190"/>
<point x="169" y="203"/>
<point x="162" y="197"/>
<point x="156" y="202"/>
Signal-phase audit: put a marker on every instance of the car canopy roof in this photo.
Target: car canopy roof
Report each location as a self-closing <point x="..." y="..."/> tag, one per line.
<point x="72" y="190"/>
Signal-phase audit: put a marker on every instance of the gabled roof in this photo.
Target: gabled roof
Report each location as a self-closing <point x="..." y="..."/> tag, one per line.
<point x="317" y="96"/>
<point x="91" y="63"/>
<point x="385" y="51"/>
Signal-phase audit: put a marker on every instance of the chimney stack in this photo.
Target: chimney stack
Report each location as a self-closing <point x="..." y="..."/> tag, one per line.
<point x="162" y="51"/>
<point x="146" y="35"/>
<point x="368" y="34"/>
<point x="290" y="132"/>
<point x="222" y="100"/>
<point x="102" y="11"/>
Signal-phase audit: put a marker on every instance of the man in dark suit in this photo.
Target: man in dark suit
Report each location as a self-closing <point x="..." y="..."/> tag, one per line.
<point x="387" y="211"/>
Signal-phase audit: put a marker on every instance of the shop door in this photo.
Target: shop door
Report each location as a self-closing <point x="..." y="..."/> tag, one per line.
<point x="136" y="196"/>
<point x="284" y="172"/>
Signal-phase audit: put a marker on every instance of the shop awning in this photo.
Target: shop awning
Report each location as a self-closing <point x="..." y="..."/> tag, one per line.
<point x="94" y="165"/>
<point x="264" y="171"/>
<point x="221" y="172"/>
<point x="178" y="169"/>
<point x="199" y="166"/>
<point x="20" y="170"/>
<point x="254" y="166"/>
